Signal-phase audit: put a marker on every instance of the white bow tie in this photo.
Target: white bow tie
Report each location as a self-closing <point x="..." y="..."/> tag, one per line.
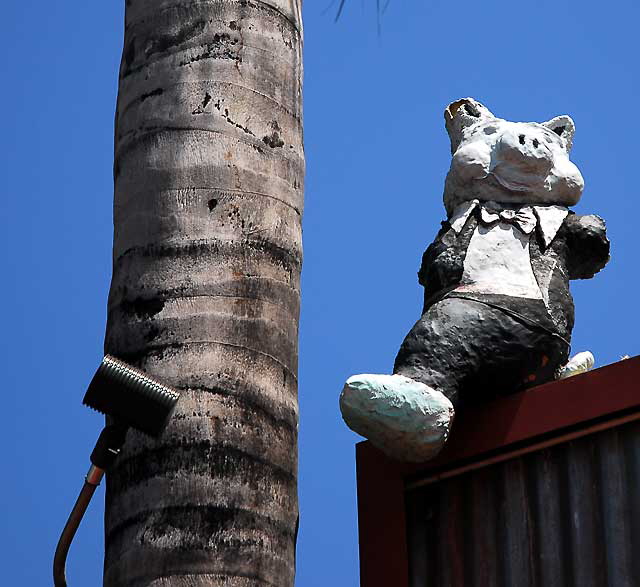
<point x="523" y="218"/>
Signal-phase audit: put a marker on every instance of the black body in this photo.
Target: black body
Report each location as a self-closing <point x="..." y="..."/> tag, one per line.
<point x="473" y="346"/>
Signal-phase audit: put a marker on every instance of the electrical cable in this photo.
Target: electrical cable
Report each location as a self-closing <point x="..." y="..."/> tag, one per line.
<point x="75" y="517"/>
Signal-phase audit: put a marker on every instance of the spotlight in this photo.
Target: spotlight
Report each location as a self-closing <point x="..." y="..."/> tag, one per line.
<point x="129" y="398"/>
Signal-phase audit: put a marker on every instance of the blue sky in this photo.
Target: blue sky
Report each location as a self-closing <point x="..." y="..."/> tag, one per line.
<point x="377" y="154"/>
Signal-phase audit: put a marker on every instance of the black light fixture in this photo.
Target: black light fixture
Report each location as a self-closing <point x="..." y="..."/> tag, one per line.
<point x="130" y="399"/>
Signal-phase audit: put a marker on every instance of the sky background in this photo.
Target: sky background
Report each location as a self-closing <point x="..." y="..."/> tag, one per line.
<point x="377" y="154"/>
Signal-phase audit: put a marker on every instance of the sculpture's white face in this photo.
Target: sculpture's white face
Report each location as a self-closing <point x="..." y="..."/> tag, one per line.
<point x="511" y="162"/>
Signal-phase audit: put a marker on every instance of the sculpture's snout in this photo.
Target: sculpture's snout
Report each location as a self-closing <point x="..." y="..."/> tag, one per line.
<point x="525" y="146"/>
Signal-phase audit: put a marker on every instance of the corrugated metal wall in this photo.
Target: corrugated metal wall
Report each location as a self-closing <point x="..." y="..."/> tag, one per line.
<point x="564" y="516"/>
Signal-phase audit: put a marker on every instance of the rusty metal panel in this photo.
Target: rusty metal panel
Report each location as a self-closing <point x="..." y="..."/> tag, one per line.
<point x="563" y="516"/>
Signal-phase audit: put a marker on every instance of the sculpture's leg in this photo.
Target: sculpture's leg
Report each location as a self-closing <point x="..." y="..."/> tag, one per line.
<point x="442" y="347"/>
<point x="474" y="352"/>
<point x="455" y="353"/>
<point x="404" y="418"/>
<point x="409" y="414"/>
<point x="580" y="363"/>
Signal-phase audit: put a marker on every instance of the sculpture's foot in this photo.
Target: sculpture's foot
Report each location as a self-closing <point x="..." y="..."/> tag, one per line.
<point x="580" y="363"/>
<point x="407" y="420"/>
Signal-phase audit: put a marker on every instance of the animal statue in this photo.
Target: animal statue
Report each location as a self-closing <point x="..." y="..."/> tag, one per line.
<point x="498" y="314"/>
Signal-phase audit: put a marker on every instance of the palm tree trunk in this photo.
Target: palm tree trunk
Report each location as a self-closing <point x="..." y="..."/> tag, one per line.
<point x="205" y="294"/>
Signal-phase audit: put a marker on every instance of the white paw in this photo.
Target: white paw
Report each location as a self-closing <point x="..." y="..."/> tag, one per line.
<point x="580" y="363"/>
<point x="407" y="420"/>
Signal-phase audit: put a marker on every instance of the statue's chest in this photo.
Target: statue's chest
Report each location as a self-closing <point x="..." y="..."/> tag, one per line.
<point x="498" y="262"/>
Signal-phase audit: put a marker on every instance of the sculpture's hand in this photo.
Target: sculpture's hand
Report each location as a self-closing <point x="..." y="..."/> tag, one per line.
<point x="588" y="245"/>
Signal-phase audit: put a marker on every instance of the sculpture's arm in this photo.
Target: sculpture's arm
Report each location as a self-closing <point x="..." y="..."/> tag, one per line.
<point x="443" y="261"/>
<point x="436" y="248"/>
<point x="588" y="245"/>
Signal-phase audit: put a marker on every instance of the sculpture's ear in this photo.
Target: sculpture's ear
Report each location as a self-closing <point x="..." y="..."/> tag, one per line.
<point x="564" y="127"/>
<point x="462" y="114"/>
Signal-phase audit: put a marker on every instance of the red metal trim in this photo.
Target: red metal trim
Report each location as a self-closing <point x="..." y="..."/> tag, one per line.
<point x="517" y="452"/>
<point x="381" y="520"/>
<point x="545" y="411"/>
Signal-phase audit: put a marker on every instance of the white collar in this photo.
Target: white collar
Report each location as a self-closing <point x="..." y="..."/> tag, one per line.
<point x="549" y="218"/>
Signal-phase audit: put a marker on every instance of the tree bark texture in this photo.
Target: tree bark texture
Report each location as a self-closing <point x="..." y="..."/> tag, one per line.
<point x="208" y="172"/>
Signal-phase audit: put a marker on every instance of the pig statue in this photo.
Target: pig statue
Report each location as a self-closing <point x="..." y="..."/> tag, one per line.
<point x="497" y="315"/>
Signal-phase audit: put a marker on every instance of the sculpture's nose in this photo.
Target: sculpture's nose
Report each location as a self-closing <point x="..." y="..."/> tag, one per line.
<point x="525" y="146"/>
